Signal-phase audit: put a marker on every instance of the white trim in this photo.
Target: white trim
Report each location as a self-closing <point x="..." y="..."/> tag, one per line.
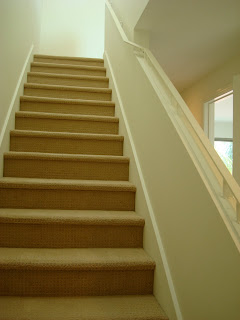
<point x="15" y="95"/>
<point x="148" y="202"/>
<point x="205" y="119"/>
<point x="211" y="122"/>
<point x="222" y="96"/>
<point x="236" y="133"/>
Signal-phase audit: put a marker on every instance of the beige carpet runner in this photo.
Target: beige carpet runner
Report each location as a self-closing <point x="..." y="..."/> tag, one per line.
<point x="71" y="243"/>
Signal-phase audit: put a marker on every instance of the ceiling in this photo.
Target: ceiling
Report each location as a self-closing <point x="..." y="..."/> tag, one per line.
<point x="191" y="38"/>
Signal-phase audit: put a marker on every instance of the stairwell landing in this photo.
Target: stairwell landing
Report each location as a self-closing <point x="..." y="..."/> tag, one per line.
<point x="71" y="242"/>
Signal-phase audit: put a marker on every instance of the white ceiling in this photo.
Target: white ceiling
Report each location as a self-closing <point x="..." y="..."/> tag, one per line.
<point x="191" y="38"/>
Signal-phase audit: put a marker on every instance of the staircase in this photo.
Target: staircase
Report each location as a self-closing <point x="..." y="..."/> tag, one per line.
<point x="71" y="243"/>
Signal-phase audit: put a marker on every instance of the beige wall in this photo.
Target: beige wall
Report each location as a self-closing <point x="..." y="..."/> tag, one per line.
<point x="20" y="23"/>
<point x="214" y="84"/>
<point x="128" y="13"/>
<point x="73" y="28"/>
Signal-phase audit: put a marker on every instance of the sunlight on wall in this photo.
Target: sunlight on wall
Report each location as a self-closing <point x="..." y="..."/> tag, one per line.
<point x="73" y="28"/>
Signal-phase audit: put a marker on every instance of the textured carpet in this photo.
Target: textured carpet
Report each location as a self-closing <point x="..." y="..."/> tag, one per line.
<point x="71" y="244"/>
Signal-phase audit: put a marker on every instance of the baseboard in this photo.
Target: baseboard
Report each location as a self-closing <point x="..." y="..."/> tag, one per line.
<point x="143" y="206"/>
<point x="9" y="122"/>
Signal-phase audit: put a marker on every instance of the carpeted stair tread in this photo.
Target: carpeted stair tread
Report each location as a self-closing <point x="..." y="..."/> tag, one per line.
<point x="55" y="122"/>
<point x="67" y="106"/>
<point x="65" y="166"/>
<point x="35" y="228"/>
<point x="67" y="135"/>
<point x="66" y="88"/>
<point x="61" y="68"/>
<point x="63" y="91"/>
<point x="66" y="142"/>
<point x="132" y="307"/>
<point x="68" y="79"/>
<point x="45" y="115"/>
<point x="67" y="66"/>
<point x="66" y="101"/>
<point x="75" y="259"/>
<point x="48" y="184"/>
<point x="76" y="217"/>
<point x="68" y="76"/>
<point x="71" y="244"/>
<point x="34" y="193"/>
<point x="64" y="157"/>
<point x="45" y="56"/>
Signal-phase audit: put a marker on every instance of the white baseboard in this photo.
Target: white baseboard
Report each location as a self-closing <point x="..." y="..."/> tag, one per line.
<point x="142" y="185"/>
<point x="9" y="122"/>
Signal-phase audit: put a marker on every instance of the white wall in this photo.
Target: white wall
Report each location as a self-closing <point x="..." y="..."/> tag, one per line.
<point x="20" y="23"/>
<point x="73" y="28"/>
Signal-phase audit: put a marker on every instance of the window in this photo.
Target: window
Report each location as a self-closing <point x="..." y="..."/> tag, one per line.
<point x="224" y="148"/>
<point x="218" y="125"/>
